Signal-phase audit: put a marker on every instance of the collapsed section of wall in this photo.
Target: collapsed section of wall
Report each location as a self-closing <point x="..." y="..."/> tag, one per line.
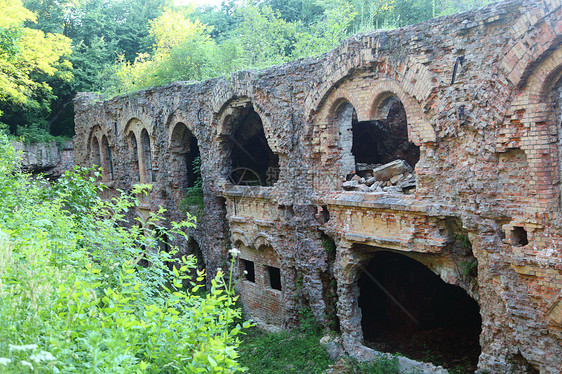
<point x="432" y="149"/>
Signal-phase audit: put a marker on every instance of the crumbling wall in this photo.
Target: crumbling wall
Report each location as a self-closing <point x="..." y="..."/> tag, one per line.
<point x="481" y="95"/>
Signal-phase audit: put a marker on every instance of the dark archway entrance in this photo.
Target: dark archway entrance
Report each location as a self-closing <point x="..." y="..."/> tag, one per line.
<point x="407" y="308"/>
<point x="253" y="161"/>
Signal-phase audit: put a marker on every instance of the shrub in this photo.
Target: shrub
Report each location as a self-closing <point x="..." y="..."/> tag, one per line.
<point x="74" y="299"/>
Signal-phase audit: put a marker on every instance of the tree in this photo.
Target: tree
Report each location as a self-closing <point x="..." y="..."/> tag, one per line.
<point x="183" y="50"/>
<point x="325" y="34"/>
<point x="28" y="59"/>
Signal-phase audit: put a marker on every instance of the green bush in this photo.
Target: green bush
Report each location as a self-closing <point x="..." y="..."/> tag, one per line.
<point x="74" y="298"/>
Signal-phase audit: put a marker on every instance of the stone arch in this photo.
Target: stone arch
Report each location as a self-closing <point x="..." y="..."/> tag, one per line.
<point x="94" y="148"/>
<point x="238" y="237"/>
<point x="185" y="157"/>
<point x="530" y="39"/>
<point x="534" y="116"/>
<point x="419" y="128"/>
<point x="132" y="133"/>
<point x="248" y="156"/>
<point x="367" y="130"/>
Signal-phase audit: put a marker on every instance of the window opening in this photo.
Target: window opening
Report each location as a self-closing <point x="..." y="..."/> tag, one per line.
<point x="250" y="270"/>
<point x="274" y="277"/>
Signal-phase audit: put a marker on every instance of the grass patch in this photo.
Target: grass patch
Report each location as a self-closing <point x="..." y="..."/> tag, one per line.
<point x="283" y="352"/>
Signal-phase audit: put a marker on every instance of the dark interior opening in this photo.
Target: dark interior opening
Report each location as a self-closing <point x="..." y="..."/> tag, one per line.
<point x="519" y="235"/>
<point x="193" y="162"/>
<point x="134" y="155"/>
<point x="423" y="318"/>
<point x="147" y="156"/>
<point x="383" y="141"/>
<point x="248" y="266"/>
<point x="274" y="277"/>
<point x="253" y="161"/>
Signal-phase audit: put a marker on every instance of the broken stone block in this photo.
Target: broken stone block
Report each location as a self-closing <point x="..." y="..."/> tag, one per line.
<point x="408" y="183"/>
<point x="350" y="185"/>
<point x="387" y="171"/>
<point x="370" y="181"/>
<point x="397" y="178"/>
<point x="361" y="166"/>
<point x="392" y="189"/>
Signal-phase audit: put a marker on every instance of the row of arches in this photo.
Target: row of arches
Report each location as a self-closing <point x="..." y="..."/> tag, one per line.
<point x="383" y="136"/>
<point x="102" y="154"/>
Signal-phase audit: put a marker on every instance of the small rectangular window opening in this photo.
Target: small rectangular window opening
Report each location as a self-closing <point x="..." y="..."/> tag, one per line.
<point x="250" y="270"/>
<point x="274" y="277"/>
<point x="519" y="236"/>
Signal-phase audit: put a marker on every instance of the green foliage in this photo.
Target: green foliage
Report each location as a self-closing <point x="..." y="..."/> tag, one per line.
<point x="74" y="298"/>
<point x="193" y="201"/>
<point x="382" y="364"/>
<point x="29" y="59"/>
<point x="329" y="246"/>
<point x="284" y="352"/>
<point x="325" y="34"/>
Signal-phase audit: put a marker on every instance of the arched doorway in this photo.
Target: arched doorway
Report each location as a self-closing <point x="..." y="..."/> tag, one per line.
<point x="407" y="308"/>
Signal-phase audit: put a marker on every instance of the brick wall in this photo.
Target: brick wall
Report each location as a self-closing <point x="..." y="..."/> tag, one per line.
<point x="479" y="91"/>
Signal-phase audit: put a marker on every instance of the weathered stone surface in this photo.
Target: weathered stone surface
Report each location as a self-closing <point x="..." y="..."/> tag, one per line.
<point x="46" y="158"/>
<point x="390" y="171"/>
<point x="481" y="95"/>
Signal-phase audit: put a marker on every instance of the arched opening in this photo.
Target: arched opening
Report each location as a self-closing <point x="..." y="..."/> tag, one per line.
<point x="377" y="155"/>
<point x="134" y="154"/>
<point x="96" y="154"/>
<point x="108" y="159"/>
<point x="385" y="140"/>
<point x="252" y="160"/>
<point x="407" y="308"/>
<point x="147" y="157"/>
<point x="186" y="157"/>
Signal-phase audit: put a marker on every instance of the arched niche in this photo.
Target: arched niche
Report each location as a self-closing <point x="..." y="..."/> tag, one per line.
<point x="96" y="153"/>
<point x="249" y="157"/>
<point x="185" y="157"/>
<point x="133" y="156"/>
<point x="146" y="157"/>
<point x="368" y="144"/>
<point x="107" y="159"/>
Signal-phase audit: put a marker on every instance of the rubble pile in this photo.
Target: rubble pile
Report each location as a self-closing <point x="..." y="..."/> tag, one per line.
<point x="396" y="176"/>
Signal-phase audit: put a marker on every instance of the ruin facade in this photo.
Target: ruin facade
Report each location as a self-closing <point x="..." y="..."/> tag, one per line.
<point x="404" y="183"/>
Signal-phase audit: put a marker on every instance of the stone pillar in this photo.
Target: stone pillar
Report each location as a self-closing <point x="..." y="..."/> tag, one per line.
<point x="347" y="272"/>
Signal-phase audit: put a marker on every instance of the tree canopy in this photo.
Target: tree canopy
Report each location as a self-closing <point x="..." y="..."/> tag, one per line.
<point x="51" y="49"/>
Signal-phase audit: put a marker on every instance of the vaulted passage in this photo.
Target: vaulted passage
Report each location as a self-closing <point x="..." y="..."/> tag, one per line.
<point x="186" y="158"/>
<point x="253" y="161"/>
<point x="386" y="139"/>
<point x="407" y="308"/>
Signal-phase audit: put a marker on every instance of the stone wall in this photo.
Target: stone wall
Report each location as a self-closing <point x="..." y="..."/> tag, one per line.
<point x="481" y="95"/>
<point x="48" y="158"/>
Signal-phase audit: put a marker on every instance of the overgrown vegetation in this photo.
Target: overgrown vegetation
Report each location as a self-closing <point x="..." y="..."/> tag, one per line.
<point x="193" y="202"/>
<point x="74" y="298"/>
<point x="51" y="49"/>
<point x="296" y="351"/>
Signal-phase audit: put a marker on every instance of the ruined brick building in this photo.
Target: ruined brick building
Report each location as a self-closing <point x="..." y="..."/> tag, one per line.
<point x="467" y="242"/>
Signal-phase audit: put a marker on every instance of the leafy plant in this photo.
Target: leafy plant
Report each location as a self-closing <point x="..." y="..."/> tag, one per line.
<point x="75" y="298"/>
<point x="382" y="364"/>
<point x="283" y="352"/>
